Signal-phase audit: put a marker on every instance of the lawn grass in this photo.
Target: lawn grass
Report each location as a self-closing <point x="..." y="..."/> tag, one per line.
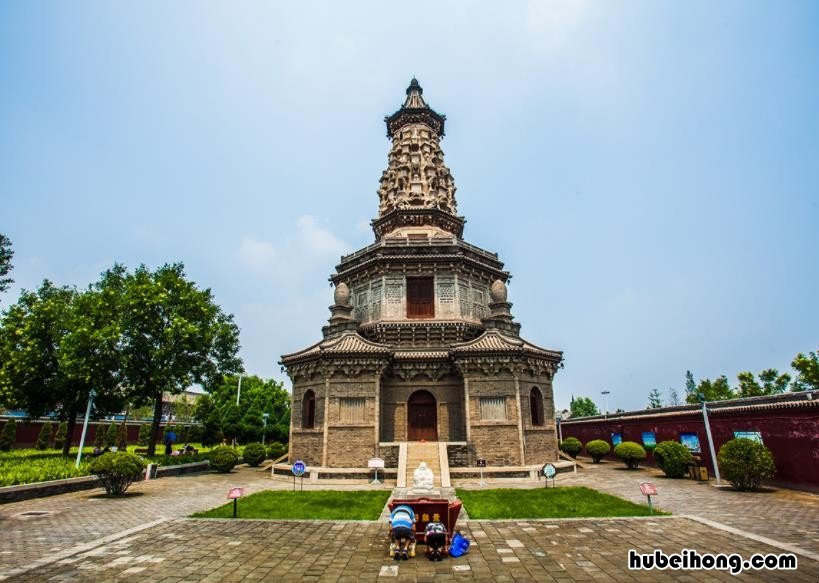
<point x="26" y="466"/>
<point x="562" y="502"/>
<point x="313" y="505"/>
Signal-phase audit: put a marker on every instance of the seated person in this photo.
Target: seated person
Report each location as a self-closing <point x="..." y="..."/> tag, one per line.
<point x="188" y="449"/>
<point x="435" y="537"/>
<point x="402" y="531"/>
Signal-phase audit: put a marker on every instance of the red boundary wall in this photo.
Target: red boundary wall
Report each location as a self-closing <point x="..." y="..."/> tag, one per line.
<point x="28" y="431"/>
<point x="789" y="427"/>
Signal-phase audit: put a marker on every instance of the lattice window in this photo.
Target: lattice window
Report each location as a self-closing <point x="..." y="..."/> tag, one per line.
<point x="352" y="409"/>
<point x="446" y="293"/>
<point x="362" y="305"/>
<point x="492" y="408"/>
<point x="394" y="292"/>
<point x="479" y="308"/>
<point x="375" y="306"/>
<point x="463" y="295"/>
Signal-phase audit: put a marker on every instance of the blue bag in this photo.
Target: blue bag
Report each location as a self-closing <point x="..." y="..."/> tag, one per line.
<point x="459" y="545"/>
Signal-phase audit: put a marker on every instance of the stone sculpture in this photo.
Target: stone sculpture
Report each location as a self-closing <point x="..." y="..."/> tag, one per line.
<point x="422" y="478"/>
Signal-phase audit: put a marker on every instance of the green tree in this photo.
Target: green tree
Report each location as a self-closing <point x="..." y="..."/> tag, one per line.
<point x="144" y="434"/>
<point x="673" y="397"/>
<point x="583" y="407"/>
<point x="174" y="335"/>
<point x="212" y="429"/>
<point x="6" y="253"/>
<point x="60" y="436"/>
<point x="716" y="390"/>
<point x="231" y="422"/>
<point x="807" y="372"/>
<point x="55" y="346"/>
<point x="772" y="383"/>
<point x="252" y="425"/>
<point x="44" y="438"/>
<point x="111" y="435"/>
<point x="690" y="388"/>
<point x="655" y="400"/>
<point x="8" y="436"/>
<point x="203" y="408"/>
<point x="266" y="395"/>
<point x="99" y="435"/>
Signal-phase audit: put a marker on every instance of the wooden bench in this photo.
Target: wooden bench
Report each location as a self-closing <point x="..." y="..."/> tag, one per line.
<point x="141" y="451"/>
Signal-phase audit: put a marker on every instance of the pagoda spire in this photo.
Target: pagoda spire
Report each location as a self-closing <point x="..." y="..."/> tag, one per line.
<point x="416" y="177"/>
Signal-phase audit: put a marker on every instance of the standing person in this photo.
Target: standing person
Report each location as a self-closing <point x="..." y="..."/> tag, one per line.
<point x="168" y="442"/>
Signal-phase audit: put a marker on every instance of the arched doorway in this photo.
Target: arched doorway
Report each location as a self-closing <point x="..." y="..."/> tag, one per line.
<point x="422" y="417"/>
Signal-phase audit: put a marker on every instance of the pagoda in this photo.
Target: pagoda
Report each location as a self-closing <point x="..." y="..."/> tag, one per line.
<point x="421" y="344"/>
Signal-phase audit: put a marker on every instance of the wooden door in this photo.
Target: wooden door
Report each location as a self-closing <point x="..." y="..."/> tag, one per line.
<point x="422" y="417"/>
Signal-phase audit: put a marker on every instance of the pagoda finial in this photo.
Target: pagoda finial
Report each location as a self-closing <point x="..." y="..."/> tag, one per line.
<point x="415" y="110"/>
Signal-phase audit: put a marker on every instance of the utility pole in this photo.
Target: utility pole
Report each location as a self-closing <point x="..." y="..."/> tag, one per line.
<point x="91" y="395"/>
<point x="606" y="401"/>
<point x="710" y="441"/>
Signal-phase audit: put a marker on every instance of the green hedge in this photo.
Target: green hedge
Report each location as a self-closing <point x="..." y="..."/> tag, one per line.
<point x="745" y="463"/>
<point x="631" y="453"/>
<point x="572" y="446"/>
<point x="673" y="458"/>
<point x="117" y="470"/>
<point x="597" y="449"/>
<point x="254" y="454"/>
<point x="223" y="459"/>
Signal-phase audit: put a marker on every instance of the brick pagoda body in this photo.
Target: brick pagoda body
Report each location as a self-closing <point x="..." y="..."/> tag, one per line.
<point x="421" y="344"/>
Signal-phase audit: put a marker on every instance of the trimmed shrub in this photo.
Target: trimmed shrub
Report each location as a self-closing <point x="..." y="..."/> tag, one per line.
<point x="8" y="436"/>
<point x="631" y="453"/>
<point x="572" y="446"/>
<point x="144" y="434"/>
<point x="111" y="435"/>
<point x="223" y="458"/>
<point x="597" y="449"/>
<point x="254" y="454"/>
<point x="44" y="439"/>
<point x="117" y="470"/>
<point x="61" y="435"/>
<point x="673" y="458"/>
<point x="276" y="450"/>
<point x="745" y="463"/>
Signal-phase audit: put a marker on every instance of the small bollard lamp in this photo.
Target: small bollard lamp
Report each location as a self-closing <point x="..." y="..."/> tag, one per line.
<point x="235" y="494"/>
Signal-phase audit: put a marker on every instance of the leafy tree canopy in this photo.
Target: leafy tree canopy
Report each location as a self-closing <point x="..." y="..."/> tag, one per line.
<point x="716" y="390"/>
<point x="583" y="407"/>
<point x="772" y="383"/>
<point x="807" y="371"/>
<point x="173" y="335"/>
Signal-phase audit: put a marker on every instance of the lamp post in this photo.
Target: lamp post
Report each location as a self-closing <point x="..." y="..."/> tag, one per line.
<point x="606" y="401"/>
<point x="264" y="431"/>
<point x="239" y="390"/>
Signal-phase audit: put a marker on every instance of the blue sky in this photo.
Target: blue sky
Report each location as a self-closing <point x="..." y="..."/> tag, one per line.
<point x="647" y="170"/>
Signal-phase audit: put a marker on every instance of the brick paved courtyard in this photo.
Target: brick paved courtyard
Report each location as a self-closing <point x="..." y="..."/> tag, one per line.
<point x="145" y="537"/>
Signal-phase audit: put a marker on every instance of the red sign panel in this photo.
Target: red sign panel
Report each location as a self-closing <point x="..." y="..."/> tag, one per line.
<point x="648" y="489"/>
<point x="236" y="493"/>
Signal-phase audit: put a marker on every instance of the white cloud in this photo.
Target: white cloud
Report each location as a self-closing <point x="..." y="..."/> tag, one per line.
<point x="319" y="240"/>
<point x="258" y="255"/>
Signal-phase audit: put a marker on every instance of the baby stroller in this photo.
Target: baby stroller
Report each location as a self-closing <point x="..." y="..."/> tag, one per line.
<point x="402" y="533"/>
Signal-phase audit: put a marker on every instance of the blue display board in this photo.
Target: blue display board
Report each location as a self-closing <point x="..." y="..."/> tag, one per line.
<point x="616" y="439"/>
<point x="298" y="468"/>
<point x="753" y="435"/>
<point x="691" y="441"/>
<point x="649" y="440"/>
